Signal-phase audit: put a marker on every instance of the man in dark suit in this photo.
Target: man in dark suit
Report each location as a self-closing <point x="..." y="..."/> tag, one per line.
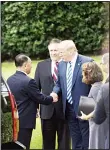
<point x="52" y="117"/>
<point x="27" y="97"/>
<point x="102" y="109"/>
<point x="70" y="85"/>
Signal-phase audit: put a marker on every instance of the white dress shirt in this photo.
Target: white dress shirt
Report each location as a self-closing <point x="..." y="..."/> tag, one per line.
<point x="52" y="66"/>
<point x="22" y="71"/>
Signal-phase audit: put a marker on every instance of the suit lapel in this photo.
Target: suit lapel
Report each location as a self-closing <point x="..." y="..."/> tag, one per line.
<point x="48" y="69"/>
<point x="76" y="69"/>
<point x="64" y="74"/>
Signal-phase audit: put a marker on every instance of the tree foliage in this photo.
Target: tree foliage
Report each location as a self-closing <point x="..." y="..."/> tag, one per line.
<point x="27" y="27"/>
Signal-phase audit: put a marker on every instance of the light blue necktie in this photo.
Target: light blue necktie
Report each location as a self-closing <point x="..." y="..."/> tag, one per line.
<point x="69" y="83"/>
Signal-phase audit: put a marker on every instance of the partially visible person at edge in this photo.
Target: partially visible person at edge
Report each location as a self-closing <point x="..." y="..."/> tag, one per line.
<point x="70" y="84"/>
<point x="52" y="117"/>
<point x="27" y="97"/>
<point x="105" y="65"/>
<point x="92" y="74"/>
<point x="102" y="106"/>
<point x="102" y="111"/>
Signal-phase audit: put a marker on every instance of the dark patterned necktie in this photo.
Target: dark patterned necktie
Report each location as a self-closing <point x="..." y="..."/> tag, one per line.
<point x="55" y="72"/>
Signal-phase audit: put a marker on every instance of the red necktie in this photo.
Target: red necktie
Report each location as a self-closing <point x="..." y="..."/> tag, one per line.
<point x="55" y="73"/>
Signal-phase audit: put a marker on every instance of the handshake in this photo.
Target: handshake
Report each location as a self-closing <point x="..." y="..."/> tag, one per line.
<point x="55" y="96"/>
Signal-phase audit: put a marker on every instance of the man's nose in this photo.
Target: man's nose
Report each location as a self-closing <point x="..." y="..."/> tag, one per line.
<point x="53" y="52"/>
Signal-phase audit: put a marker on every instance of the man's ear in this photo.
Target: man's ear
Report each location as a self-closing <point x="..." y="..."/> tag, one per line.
<point x="24" y="65"/>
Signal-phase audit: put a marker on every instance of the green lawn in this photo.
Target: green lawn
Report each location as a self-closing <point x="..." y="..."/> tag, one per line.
<point x="8" y="69"/>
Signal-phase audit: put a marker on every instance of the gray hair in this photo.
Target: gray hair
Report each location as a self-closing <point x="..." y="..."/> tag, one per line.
<point x="55" y="40"/>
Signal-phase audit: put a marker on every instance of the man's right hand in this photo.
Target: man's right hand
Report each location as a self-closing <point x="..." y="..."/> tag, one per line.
<point x="55" y="96"/>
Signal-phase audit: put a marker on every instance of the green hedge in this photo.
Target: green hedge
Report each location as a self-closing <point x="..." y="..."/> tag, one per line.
<point x="27" y="27"/>
<point x="6" y="127"/>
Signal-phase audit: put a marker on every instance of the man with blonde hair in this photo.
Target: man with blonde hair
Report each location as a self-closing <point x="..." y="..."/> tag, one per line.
<point x="70" y="84"/>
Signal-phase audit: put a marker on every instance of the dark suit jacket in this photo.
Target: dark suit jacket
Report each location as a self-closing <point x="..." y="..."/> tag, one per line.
<point x="45" y="83"/>
<point x="102" y="108"/>
<point x="78" y="88"/>
<point x="27" y="97"/>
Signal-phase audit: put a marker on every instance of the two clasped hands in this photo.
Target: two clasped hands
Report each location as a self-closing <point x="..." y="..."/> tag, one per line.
<point x="55" y="99"/>
<point x="55" y="96"/>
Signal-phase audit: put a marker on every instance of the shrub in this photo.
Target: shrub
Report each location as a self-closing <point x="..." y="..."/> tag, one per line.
<point x="27" y="27"/>
<point x="6" y="127"/>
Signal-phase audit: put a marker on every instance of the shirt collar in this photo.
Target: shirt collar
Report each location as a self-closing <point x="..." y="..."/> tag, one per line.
<point x="56" y="61"/>
<point x="22" y="71"/>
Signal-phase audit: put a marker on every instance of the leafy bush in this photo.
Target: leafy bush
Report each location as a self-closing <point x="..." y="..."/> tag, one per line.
<point x="27" y="27"/>
<point x="6" y="127"/>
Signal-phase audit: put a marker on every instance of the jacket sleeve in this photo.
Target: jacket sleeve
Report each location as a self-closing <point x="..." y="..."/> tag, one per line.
<point x="37" y="77"/>
<point x="99" y="114"/>
<point x="35" y="94"/>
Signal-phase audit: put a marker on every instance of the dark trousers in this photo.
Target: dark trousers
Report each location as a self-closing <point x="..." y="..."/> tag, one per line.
<point x="79" y="130"/>
<point x="49" y="129"/>
<point x="24" y="136"/>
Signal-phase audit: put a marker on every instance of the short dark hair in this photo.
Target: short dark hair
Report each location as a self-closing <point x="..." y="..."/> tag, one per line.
<point x="91" y="73"/>
<point x="20" y="59"/>
<point x="55" y="40"/>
